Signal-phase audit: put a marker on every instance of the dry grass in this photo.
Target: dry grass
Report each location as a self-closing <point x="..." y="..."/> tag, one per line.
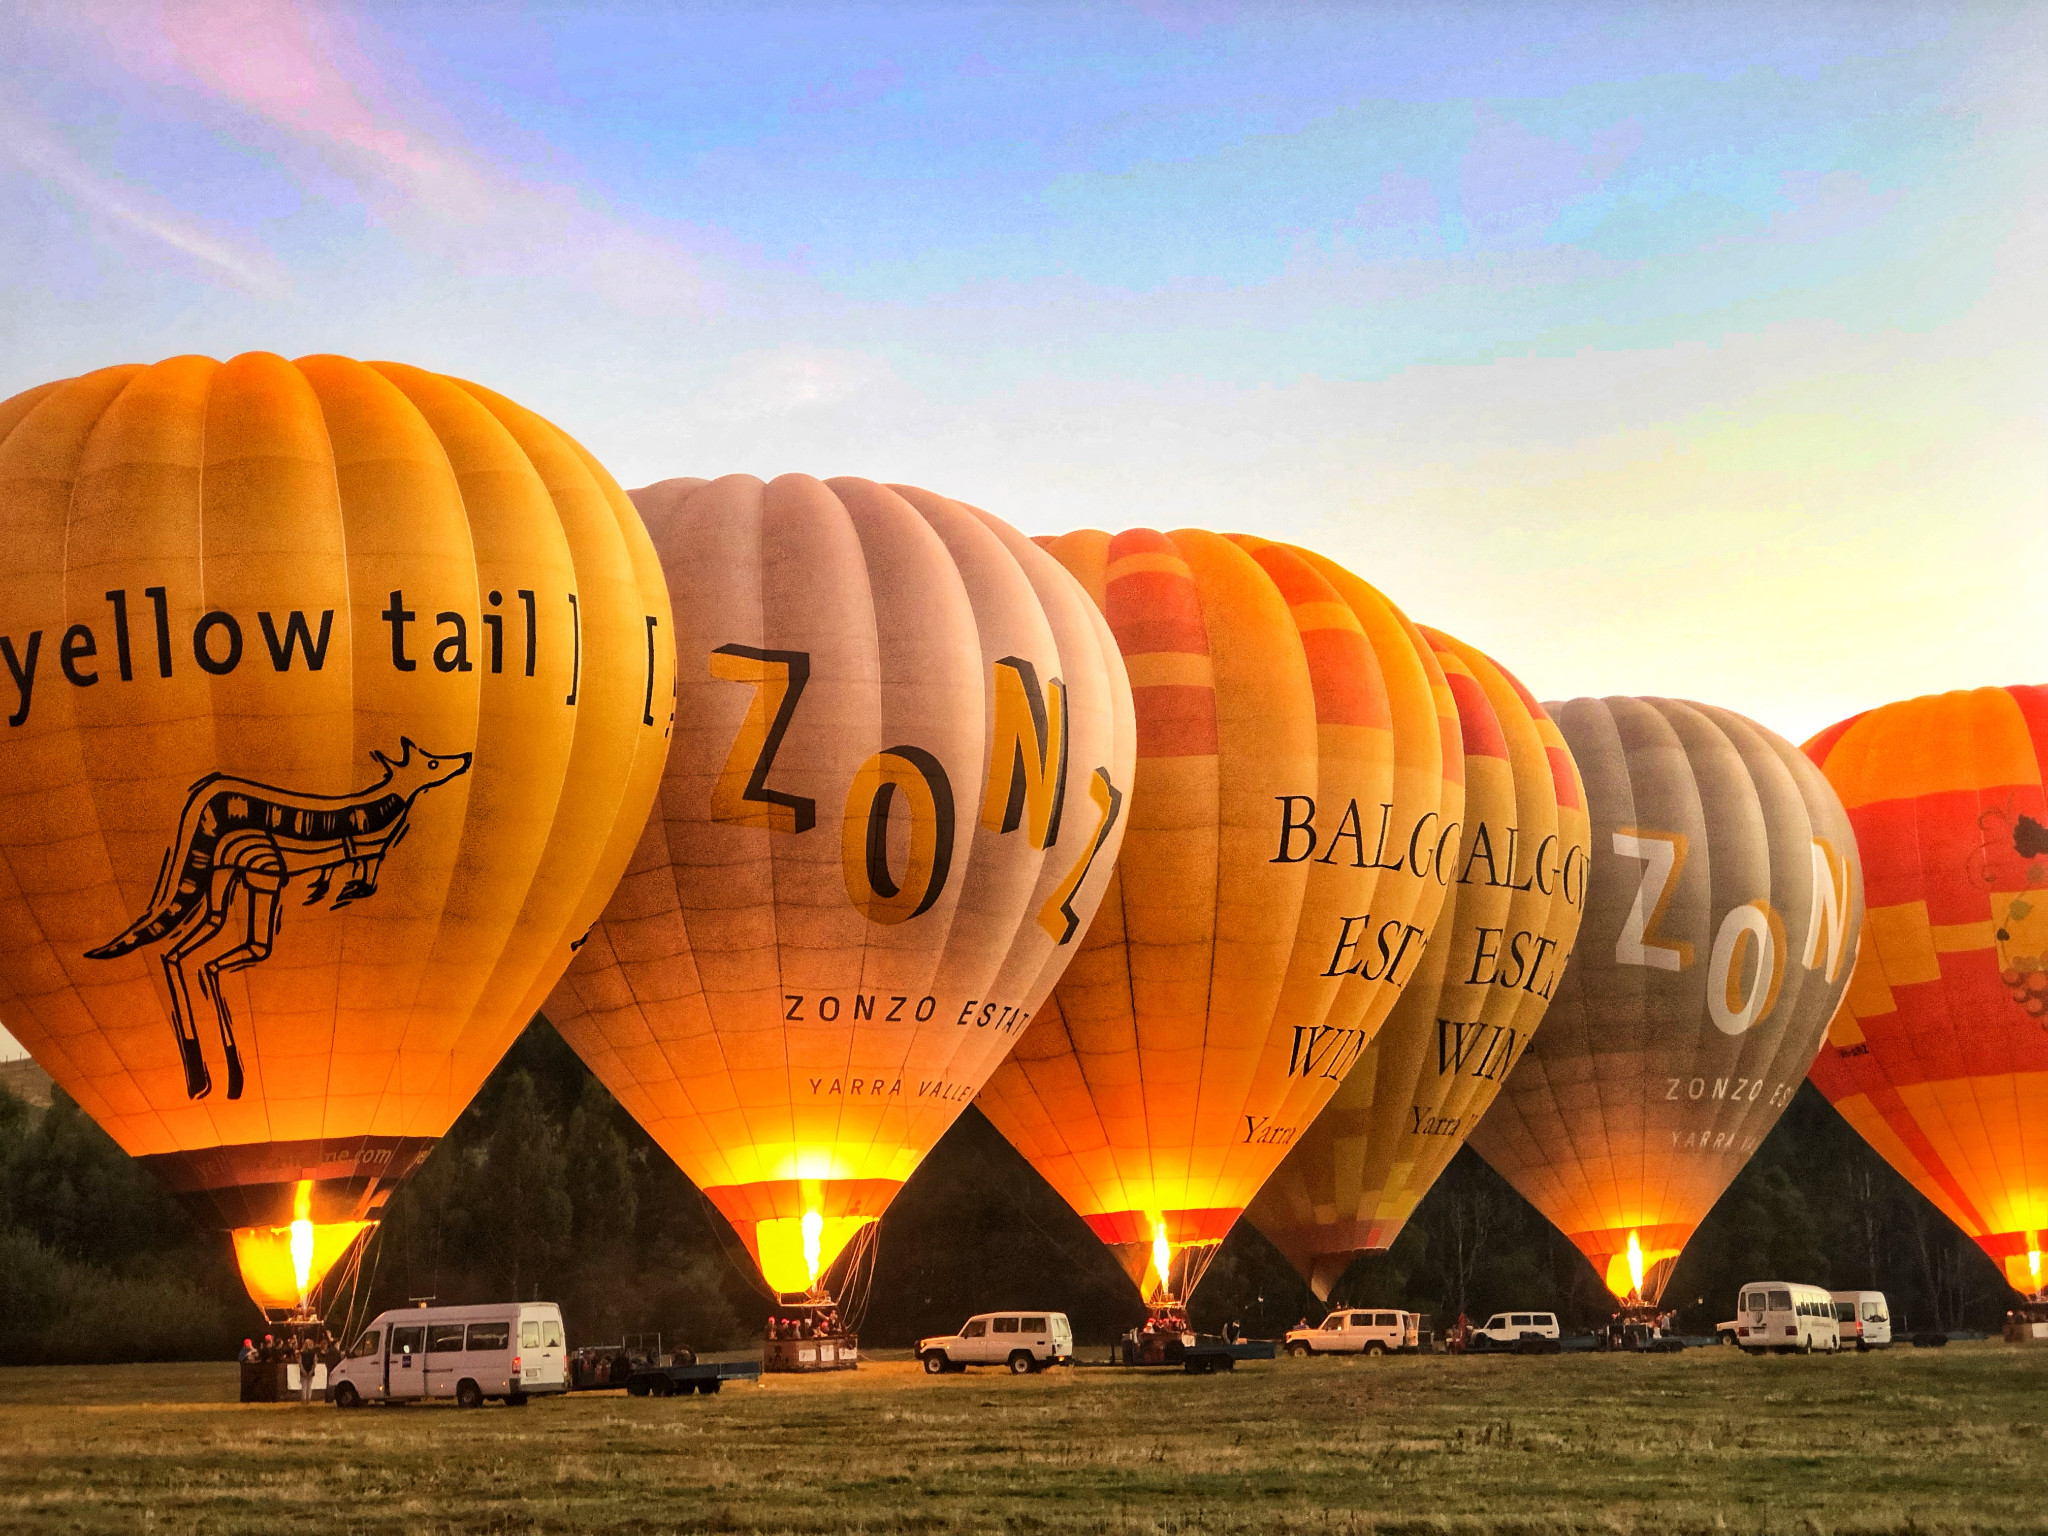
<point x="1955" y="1440"/>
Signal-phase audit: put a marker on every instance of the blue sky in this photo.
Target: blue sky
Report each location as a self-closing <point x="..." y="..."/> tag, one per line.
<point x="1689" y="350"/>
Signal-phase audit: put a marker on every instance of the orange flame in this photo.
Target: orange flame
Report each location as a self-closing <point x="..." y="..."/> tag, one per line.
<point x="814" y="1231"/>
<point x="1162" y="1258"/>
<point x="302" y="1237"/>
<point x="1635" y="1267"/>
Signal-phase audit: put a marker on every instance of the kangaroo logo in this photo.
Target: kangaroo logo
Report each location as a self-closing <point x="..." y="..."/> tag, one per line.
<point x="237" y="838"/>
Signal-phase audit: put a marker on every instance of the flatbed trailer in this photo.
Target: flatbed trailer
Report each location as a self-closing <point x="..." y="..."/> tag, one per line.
<point x="706" y="1376"/>
<point x="1206" y="1355"/>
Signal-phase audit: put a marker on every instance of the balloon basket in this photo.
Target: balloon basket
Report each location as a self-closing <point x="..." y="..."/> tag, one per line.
<point x="2027" y="1323"/>
<point x="806" y="1335"/>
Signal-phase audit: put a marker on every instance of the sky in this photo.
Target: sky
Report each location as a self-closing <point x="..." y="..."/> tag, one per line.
<point x="1696" y="350"/>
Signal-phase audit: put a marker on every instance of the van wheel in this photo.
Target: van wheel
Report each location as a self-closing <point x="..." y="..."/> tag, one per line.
<point x="468" y="1394"/>
<point x="1021" y="1363"/>
<point x="935" y="1362"/>
<point x="1299" y="1350"/>
<point x="346" y="1396"/>
<point x="1375" y="1348"/>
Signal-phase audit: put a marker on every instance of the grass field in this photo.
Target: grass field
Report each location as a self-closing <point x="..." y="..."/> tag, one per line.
<point x="1920" y="1441"/>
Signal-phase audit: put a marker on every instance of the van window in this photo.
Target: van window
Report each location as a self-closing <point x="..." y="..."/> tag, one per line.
<point x="407" y="1341"/>
<point x="490" y="1335"/>
<point x="1845" y="1311"/>
<point x="1006" y="1325"/>
<point x="1781" y="1301"/>
<point x="1034" y="1325"/>
<point x="1546" y="1320"/>
<point x="975" y="1329"/>
<point x="550" y="1333"/>
<point x="444" y="1338"/>
<point x="1498" y="1320"/>
<point x="366" y="1346"/>
<point x="1361" y="1319"/>
<point x="1522" y="1320"/>
<point x="529" y="1335"/>
<point x="1386" y="1319"/>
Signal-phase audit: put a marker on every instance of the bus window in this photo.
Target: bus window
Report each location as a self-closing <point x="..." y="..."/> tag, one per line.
<point x="444" y="1338"/>
<point x="550" y="1333"/>
<point x="529" y="1335"/>
<point x="490" y="1335"/>
<point x="407" y="1341"/>
<point x="1781" y="1301"/>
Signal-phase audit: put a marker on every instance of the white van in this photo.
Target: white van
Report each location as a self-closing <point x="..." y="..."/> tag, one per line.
<point x="509" y="1349"/>
<point x="1504" y="1330"/>
<point x="1783" y="1315"/>
<point x="1023" y="1341"/>
<point x="1864" y="1318"/>
<point x="1357" y="1333"/>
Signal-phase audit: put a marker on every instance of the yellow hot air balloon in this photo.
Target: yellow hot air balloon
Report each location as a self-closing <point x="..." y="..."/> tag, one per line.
<point x="1939" y="1054"/>
<point x="340" y="692"/>
<point x="1351" y="1181"/>
<point x="1721" y="922"/>
<point x="1295" y="808"/>
<point x="903" y="748"/>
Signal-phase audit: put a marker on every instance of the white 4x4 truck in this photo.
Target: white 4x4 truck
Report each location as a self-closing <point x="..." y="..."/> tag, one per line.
<point x="1023" y="1341"/>
<point x="1357" y="1333"/>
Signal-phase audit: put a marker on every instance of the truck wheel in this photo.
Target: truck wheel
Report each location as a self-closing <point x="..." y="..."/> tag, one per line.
<point x="663" y="1386"/>
<point x="1226" y="1363"/>
<point x="635" y="1387"/>
<point x="1021" y="1363"/>
<point x="468" y="1394"/>
<point x="1375" y="1348"/>
<point x="710" y="1388"/>
<point x="346" y="1396"/>
<point x="1299" y="1350"/>
<point x="935" y="1362"/>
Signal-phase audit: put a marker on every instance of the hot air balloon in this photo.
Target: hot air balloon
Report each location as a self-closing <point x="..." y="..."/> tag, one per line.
<point x="1721" y="922"/>
<point x="899" y="782"/>
<point x="1939" y="1055"/>
<point x="1291" y="825"/>
<point x="1350" y="1182"/>
<point x="340" y="691"/>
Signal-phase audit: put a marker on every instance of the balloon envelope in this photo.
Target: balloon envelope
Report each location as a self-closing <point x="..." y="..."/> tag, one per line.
<point x="1939" y="1055"/>
<point x="334" y="685"/>
<point x="1349" y="1184"/>
<point x="903" y="748"/>
<point x="1296" y="790"/>
<point x="1720" y="926"/>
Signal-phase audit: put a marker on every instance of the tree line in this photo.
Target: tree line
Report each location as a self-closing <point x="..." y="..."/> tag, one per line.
<point x="545" y="1187"/>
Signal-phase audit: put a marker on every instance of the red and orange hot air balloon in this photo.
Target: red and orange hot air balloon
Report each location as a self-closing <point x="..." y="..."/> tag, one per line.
<point x="1292" y="819"/>
<point x="1939" y="1054"/>
<point x="339" y="695"/>
<point x="903" y="750"/>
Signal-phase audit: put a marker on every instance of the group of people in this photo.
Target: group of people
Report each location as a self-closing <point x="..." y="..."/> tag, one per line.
<point x="1167" y="1320"/>
<point x="305" y="1346"/>
<point x="806" y="1325"/>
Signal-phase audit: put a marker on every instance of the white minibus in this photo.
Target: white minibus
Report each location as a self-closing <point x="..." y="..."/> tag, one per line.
<point x="508" y="1349"/>
<point x="1783" y="1315"/>
<point x="1864" y="1319"/>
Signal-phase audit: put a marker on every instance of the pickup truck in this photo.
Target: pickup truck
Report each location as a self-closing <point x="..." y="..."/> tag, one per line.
<point x="1358" y="1333"/>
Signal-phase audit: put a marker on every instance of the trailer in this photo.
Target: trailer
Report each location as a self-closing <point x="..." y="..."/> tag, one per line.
<point x="705" y="1376"/>
<point x="1198" y="1354"/>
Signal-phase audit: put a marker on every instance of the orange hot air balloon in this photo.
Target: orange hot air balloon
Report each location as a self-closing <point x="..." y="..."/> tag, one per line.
<point x="1721" y="921"/>
<point x="1297" y="796"/>
<point x="1352" y="1179"/>
<point x="903" y="748"/>
<point x="1939" y="1055"/>
<point x="340" y="691"/>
